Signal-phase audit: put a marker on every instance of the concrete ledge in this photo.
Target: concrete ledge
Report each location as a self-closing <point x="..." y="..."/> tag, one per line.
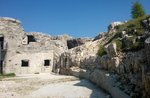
<point x="103" y="80"/>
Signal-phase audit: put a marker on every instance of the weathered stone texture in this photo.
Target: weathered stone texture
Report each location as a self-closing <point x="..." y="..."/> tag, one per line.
<point x="111" y="50"/>
<point x="77" y="42"/>
<point x="103" y="80"/>
<point x="35" y="47"/>
<point x="147" y="49"/>
<point x="111" y="27"/>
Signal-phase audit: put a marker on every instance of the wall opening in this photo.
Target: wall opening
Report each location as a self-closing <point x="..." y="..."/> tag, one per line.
<point x="1" y="67"/>
<point x="1" y="42"/>
<point x="24" y="63"/>
<point x="31" y="38"/>
<point x="46" y="62"/>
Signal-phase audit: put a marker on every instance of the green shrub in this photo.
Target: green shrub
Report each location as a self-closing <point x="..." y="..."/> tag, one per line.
<point x="137" y="46"/>
<point x="132" y="25"/>
<point x="7" y="75"/>
<point x="101" y="51"/>
<point x="137" y="10"/>
<point x="118" y="44"/>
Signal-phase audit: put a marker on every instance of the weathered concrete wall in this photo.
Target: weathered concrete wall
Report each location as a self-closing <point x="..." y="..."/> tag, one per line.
<point x="36" y="63"/>
<point x="17" y="47"/>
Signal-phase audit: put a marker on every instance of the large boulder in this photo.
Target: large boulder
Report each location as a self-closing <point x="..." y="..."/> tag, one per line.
<point x="108" y="63"/>
<point x="114" y="64"/>
<point x="105" y="61"/>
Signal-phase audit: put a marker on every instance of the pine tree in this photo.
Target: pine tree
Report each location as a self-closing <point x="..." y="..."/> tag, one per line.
<point x="137" y="10"/>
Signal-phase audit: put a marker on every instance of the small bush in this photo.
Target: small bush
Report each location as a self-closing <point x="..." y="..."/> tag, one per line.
<point x="118" y="44"/>
<point x="101" y="51"/>
<point x="36" y="73"/>
<point x="132" y="25"/>
<point x="137" y="46"/>
<point x="7" y="75"/>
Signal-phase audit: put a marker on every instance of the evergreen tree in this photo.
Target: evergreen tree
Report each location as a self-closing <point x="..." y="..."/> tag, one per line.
<point x="137" y="10"/>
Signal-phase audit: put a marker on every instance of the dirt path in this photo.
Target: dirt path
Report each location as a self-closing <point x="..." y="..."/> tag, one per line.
<point x="48" y="86"/>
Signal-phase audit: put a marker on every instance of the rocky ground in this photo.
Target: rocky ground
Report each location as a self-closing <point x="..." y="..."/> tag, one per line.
<point x="48" y="86"/>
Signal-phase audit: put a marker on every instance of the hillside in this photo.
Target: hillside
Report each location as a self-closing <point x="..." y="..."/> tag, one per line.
<point x="117" y="61"/>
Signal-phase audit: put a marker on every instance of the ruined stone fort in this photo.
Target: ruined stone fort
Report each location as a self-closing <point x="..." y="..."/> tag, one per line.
<point x="30" y="52"/>
<point x="118" y="60"/>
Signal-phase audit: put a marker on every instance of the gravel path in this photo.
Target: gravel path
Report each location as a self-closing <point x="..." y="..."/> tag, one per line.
<point x="48" y="86"/>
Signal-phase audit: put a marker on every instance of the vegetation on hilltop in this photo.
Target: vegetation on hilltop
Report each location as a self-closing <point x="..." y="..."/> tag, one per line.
<point x="101" y="51"/>
<point x="134" y="30"/>
<point x="137" y="10"/>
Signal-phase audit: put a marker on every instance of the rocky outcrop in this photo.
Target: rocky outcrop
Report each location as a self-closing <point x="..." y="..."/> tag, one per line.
<point x="145" y="71"/>
<point x="147" y="85"/>
<point x="111" y="49"/>
<point x="99" y="36"/>
<point x="77" y="42"/>
<point x="126" y="62"/>
<point x="147" y="47"/>
<point x="110" y="61"/>
<point x="146" y="24"/>
<point x="111" y="27"/>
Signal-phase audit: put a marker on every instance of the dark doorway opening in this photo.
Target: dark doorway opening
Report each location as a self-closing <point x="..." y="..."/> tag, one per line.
<point x="1" y="42"/>
<point x="1" y="67"/>
<point x="31" y="38"/>
<point x="24" y="63"/>
<point x="46" y="62"/>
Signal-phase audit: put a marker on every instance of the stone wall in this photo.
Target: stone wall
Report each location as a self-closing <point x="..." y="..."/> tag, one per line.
<point x="35" y="60"/>
<point x="35" y="47"/>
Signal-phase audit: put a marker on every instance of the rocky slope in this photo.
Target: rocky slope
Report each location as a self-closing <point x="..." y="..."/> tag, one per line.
<point x="122" y="63"/>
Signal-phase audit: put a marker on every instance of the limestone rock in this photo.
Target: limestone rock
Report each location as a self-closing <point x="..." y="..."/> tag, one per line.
<point x="105" y="61"/>
<point x="114" y="63"/>
<point x="146" y="23"/>
<point x="77" y="42"/>
<point x="128" y="41"/>
<point x="147" y="84"/>
<point x="147" y="48"/>
<point x="109" y="63"/>
<point x="111" y="50"/>
<point x="111" y="27"/>
<point x="99" y="36"/>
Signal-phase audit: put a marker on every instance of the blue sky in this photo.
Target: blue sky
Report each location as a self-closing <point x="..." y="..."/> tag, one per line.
<point x="78" y="18"/>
